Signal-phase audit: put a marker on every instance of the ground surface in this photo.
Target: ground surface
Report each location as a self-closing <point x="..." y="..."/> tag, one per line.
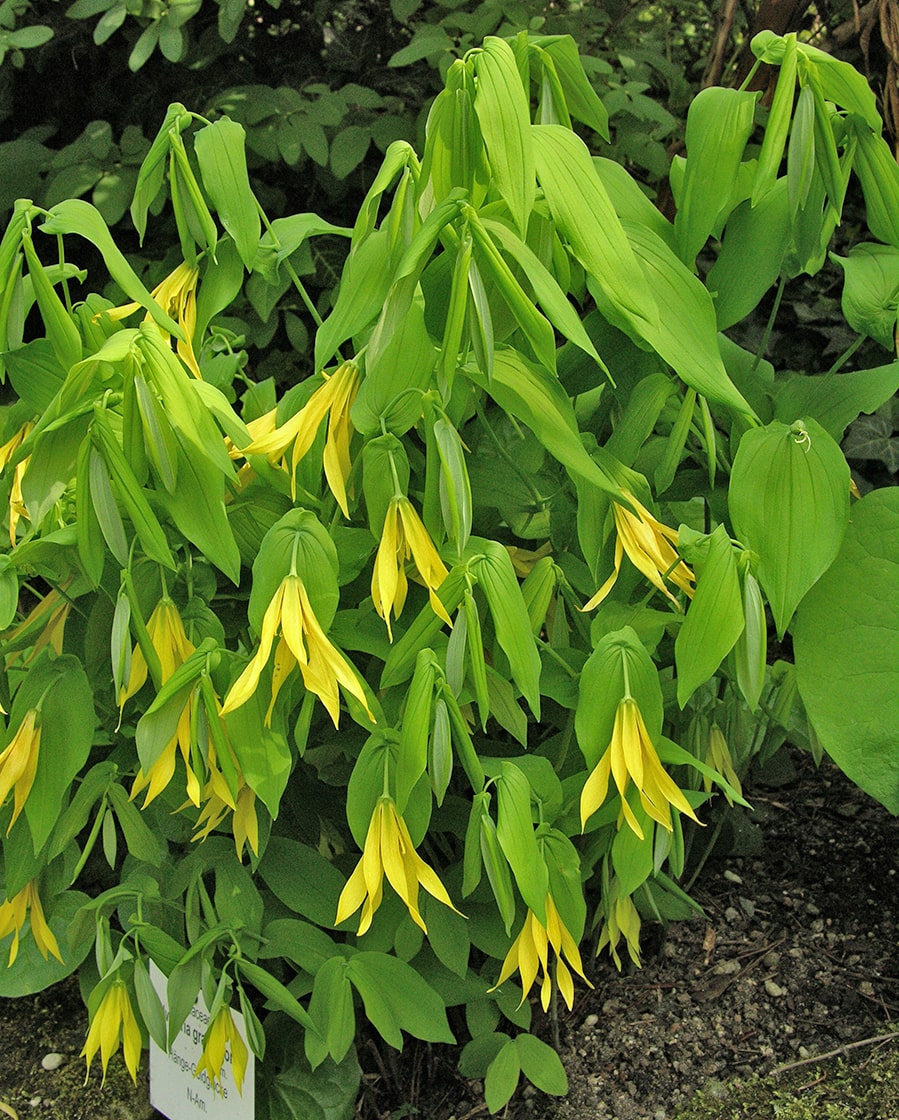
<point x="797" y="958"/>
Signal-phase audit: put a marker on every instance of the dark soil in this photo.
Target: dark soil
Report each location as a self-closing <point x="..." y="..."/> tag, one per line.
<point x="795" y="961"/>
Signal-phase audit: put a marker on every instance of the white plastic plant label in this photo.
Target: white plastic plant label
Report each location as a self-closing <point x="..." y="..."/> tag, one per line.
<point x="176" y="1091"/>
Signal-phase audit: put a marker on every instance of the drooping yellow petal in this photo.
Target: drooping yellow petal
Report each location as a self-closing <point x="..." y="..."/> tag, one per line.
<point x="43" y="936"/>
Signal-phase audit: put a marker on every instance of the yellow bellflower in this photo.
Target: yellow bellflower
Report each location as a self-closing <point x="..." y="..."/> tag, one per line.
<point x="218" y="802"/>
<point x="114" y="1024"/>
<point x="631" y="757"/>
<point x="173" y="647"/>
<point x="651" y="548"/>
<point x="334" y="399"/>
<point x="18" y="763"/>
<point x="17" y="508"/>
<point x="402" y="537"/>
<point x="13" y="912"/>
<point x="221" y="1033"/>
<point x="177" y="296"/>
<point x="52" y="631"/>
<point x="622" y="920"/>
<point x="303" y="643"/>
<point x="530" y="954"/>
<point x="388" y="851"/>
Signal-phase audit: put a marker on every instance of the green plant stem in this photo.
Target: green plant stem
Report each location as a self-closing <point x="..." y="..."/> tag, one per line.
<point x="291" y="272"/>
<point x="769" y="326"/>
<point x="845" y="356"/>
<point x="706" y="852"/>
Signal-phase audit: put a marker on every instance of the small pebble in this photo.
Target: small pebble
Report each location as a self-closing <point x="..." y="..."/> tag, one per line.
<point x="773" y="989"/>
<point x="748" y="907"/>
<point x="52" y="1061"/>
<point x="34" y="1102"/>
<point x="732" y="876"/>
<point x="731" y="914"/>
<point x="772" y="959"/>
<point x="590" y="1022"/>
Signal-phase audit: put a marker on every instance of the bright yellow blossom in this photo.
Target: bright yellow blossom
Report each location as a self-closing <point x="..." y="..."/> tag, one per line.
<point x="718" y="757"/>
<point x="631" y="757"/>
<point x="388" y="851"/>
<point x="622" y="919"/>
<point x="114" y="1023"/>
<point x="530" y="953"/>
<point x="221" y="1033"/>
<point x="18" y="763"/>
<point x="17" y="508"/>
<point x="12" y="918"/>
<point x="177" y="296"/>
<point x="334" y="399"/>
<point x="218" y="802"/>
<point x="303" y="643"/>
<point x="650" y="546"/>
<point x="173" y="647"/>
<point x="52" y="631"/>
<point x="402" y="537"/>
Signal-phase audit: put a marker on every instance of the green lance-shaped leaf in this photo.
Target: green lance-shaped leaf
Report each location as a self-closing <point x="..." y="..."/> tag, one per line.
<point x="541" y="1065"/>
<point x="878" y="172"/>
<point x="476" y="662"/>
<point x="221" y="154"/>
<point x="141" y="841"/>
<point x="455" y="486"/>
<point x="89" y="535"/>
<point x="364" y="284"/>
<point x="841" y="83"/>
<point x="392" y="390"/>
<point x="714" y="619"/>
<point x="585" y="216"/>
<point x="755" y="243"/>
<point x="581" y="99"/>
<point x="397" y="998"/>
<point x="61" y="330"/>
<point x="331" y="1009"/>
<point x="503" y="112"/>
<point x="496" y="578"/>
<point x="549" y="295"/>
<point x="515" y="831"/>
<point x="103" y="504"/>
<point x="827" y="158"/>
<point x="719" y="123"/>
<point x="536" y="398"/>
<point x="74" y="215"/>
<point x="846" y="635"/>
<point x="789" y="503"/>
<point x="275" y="992"/>
<point x="408" y="272"/>
<point x="412" y="757"/>
<point x="836" y="400"/>
<point x="461" y="736"/>
<point x="603" y="684"/>
<point x="440" y="751"/>
<point x="501" y="1079"/>
<point x="675" y="444"/>
<point x="871" y="291"/>
<point x="152" y="171"/>
<point x="777" y="126"/>
<point x="686" y="333"/>
<point x="146" y="524"/>
<point x="801" y="155"/>
<point x="454" y="154"/>
<point x="751" y="649"/>
<point x="192" y="216"/>
<point x="456" y="314"/>
<point x="183" y="413"/>
<point x="132" y="432"/>
<point x="156" y="435"/>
